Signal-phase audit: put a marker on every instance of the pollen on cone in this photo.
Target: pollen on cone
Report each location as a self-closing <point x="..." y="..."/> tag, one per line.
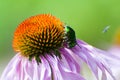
<point x="38" y="34"/>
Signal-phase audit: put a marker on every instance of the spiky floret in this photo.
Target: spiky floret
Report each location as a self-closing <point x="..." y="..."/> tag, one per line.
<point x="38" y="35"/>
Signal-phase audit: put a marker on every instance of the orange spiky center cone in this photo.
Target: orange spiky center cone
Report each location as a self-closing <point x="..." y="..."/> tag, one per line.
<point x="38" y="35"/>
<point x="117" y="37"/>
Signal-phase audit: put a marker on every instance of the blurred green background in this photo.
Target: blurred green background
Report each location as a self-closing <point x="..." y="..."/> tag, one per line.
<point x="87" y="17"/>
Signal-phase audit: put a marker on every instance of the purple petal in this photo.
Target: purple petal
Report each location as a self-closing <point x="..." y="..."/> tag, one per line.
<point x="93" y="58"/>
<point x="21" y="68"/>
<point x="70" y="61"/>
<point x="60" y="72"/>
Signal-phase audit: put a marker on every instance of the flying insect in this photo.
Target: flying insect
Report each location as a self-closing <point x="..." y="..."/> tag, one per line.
<point x="105" y="29"/>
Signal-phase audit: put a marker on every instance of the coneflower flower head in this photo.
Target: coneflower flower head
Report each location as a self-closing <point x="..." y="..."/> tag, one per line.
<point x="48" y="50"/>
<point x="116" y="40"/>
<point x="115" y="50"/>
<point x="39" y="35"/>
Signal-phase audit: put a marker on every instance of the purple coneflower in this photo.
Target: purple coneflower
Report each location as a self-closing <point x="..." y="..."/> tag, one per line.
<point x="115" y="50"/>
<point x="48" y="50"/>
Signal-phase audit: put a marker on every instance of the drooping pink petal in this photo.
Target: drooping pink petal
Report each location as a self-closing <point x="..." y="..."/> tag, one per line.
<point x="93" y="58"/>
<point x="60" y="72"/>
<point x="70" y="60"/>
<point x="21" y="68"/>
<point x="50" y="68"/>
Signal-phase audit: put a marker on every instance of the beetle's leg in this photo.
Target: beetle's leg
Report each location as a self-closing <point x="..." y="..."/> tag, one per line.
<point x="37" y="58"/>
<point x="57" y="53"/>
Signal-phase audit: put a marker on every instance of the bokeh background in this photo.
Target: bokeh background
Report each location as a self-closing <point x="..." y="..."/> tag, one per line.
<point x="87" y="17"/>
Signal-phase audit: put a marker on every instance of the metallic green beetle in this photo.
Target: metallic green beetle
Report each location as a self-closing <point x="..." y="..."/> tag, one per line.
<point x="70" y="37"/>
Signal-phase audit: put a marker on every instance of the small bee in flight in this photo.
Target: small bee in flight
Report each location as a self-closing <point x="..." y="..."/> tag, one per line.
<point x="105" y="29"/>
